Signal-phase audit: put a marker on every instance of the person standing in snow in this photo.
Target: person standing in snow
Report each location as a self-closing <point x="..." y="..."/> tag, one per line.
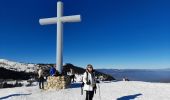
<point x="41" y="78"/>
<point x="52" y="71"/>
<point x="72" y="75"/>
<point x="89" y="82"/>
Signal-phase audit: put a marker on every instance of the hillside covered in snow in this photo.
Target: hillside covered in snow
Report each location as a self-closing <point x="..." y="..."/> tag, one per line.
<point x="16" y="66"/>
<point x="16" y="70"/>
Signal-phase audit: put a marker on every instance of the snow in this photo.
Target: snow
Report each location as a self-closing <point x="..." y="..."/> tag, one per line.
<point x="79" y="77"/>
<point x="16" y="66"/>
<point x="132" y="90"/>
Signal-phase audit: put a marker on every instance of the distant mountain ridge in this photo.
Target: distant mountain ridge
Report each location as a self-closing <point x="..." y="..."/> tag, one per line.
<point x="147" y="75"/>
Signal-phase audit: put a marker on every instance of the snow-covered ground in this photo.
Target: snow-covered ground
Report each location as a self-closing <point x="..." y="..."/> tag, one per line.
<point x="132" y="90"/>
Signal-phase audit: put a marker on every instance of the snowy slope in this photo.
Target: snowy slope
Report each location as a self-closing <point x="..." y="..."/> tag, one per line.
<point x="16" y="66"/>
<point x="132" y="90"/>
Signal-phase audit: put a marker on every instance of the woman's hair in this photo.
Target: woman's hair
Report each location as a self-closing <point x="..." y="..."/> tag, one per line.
<point x="91" y="66"/>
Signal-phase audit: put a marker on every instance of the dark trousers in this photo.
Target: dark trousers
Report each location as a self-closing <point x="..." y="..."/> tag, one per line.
<point x="72" y="78"/>
<point x="89" y="95"/>
<point x="41" y="82"/>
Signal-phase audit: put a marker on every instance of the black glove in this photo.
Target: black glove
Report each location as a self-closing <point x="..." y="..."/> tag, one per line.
<point x="88" y="82"/>
<point x="97" y="81"/>
<point x="95" y="87"/>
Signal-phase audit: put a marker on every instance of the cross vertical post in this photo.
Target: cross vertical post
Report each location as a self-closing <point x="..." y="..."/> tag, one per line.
<point x="59" y="42"/>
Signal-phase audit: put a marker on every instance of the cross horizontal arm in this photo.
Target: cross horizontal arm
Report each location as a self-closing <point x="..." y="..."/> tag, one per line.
<point x="73" y="18"/>
<point x="53" y="20"/>
<point x="47" y="21"/>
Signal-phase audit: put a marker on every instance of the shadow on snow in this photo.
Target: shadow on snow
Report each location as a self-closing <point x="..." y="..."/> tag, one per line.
<point x="75" y="85"/>
<point x="129" y="97"/>
<point x="11" y="95"/>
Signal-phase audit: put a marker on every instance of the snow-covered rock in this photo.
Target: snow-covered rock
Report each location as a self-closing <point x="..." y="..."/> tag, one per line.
<point x="16" y="66"/>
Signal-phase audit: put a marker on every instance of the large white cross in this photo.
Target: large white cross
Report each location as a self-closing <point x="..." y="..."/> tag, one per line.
<point x="59" y="20"/>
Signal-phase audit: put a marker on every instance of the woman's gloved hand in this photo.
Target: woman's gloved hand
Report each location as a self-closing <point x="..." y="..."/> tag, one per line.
<point x="88" y="82"/>
<point x="95" y="87"/>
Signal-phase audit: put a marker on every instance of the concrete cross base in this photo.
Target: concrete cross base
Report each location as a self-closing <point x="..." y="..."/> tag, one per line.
<point x="57" y="82"/>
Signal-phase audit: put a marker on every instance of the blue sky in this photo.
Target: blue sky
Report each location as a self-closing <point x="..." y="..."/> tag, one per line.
<point x="112" y="34"/>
